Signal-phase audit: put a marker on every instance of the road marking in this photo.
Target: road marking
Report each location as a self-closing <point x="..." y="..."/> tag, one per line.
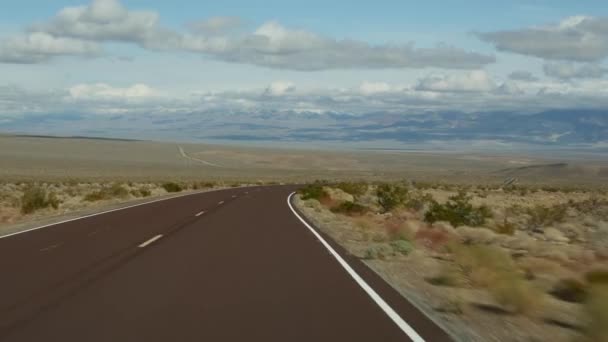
<point x="199" y="214"/>
<point x="392" y="314"/>
<point x="220" y="203"/>
<point x="233" y="196"/>
<point x="150" y="241"/>
<point x="46" y="249"/>
<point x="93" y="233"/>
<point x="112" y="210"/>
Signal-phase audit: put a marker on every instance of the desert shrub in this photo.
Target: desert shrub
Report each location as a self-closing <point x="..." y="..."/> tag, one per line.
<point x="396" y="229"/>
<point x="597" y="277"/>
<point x="35" y="198"/>
<point x="433" y="238"/>
<point x="505" y="228"/>
<point x="172" y="187"/>
<point x="353" y="188"/>
<point x="391" y="195"/>
<point x="402" y="246"/>
<point x="493" y="269"/>
<point x="378" y="252"/>
<point x="114" y="191"/>
<point x="350" y="208"/>
<point x="570" y="290"/>
<point x="458" y="211"/>
<point x="541" y="216"/>
<point x="418" y="200"/>
<point x="313" y="191"/>
<point x="596" y="308"/>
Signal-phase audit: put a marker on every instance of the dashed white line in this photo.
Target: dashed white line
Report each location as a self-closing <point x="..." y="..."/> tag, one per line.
<point x="233" y="196"/>
<point x="220" y="203"/>
<point x="150" y="241"/>
<point x="199" y="214"/>
<point x="46" y="249"/>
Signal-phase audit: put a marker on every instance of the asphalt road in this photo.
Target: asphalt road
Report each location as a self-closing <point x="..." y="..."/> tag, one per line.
<point x="232" y="265"/>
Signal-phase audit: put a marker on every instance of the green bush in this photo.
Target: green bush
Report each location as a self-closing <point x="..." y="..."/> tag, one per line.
<point x="402" y="246"/>
<point x="355" y="189"/>
<point x="458" y="211"/>
<point x="418" y="200"/>
<point x="313" y="191"/>
<point x="114" y="191"/>
<point x="350" y="208"/>
<point x="541" y="216"/>
<point x="378" y="252"/>
<point x="391" y="196"/>
<point x="172" y="187"/>
<point x="35" y="198"/>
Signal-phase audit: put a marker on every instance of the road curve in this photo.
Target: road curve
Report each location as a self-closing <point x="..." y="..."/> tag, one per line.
<point x="232" y="265"/>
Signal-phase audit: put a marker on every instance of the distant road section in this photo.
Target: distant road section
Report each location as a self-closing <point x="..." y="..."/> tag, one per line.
<point x="230" y="265"/>
<point x="185" y="155"/>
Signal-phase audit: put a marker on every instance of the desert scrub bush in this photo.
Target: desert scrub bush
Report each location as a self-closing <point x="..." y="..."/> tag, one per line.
<point x="378" y="252"/>
<point x="597" y="277"/>
<point x="570" y="290"/>
<point x="354" y="188"/>
<point x="596" y="309"/>
<point x="114" y="191"/>
<point x="313" y="191"/>
<point x="402" y="247"/>
<point x="391" y="196"/>
<point x="350" y="208"/>
<point x="433" y="238"/>
<point x="172" y="187"/>
<point x="493" y="269"/>
<point x="541" y="216"/>
<point x="505" y="227"/>
<point x="397" y="229"/>
<point x="458" y="211"/>
<point x="418" y="200"/>
<point x="35" y="198"/>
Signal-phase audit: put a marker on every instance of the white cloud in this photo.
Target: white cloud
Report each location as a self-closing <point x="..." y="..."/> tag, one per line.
<point x="371" y="88"/>
<point x="270" y="45"/>
<point x="578" y="38"/>
<point x="280" y="88"/>
<point x="474" y="81"/>
<point x="105" y="92"/>
<point x="40" y="47"/>
<point x="108" y="20"/>
<point x="568" y="71"/>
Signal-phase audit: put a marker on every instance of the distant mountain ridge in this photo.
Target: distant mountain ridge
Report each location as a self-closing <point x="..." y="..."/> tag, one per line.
<point x="557" y="129"/>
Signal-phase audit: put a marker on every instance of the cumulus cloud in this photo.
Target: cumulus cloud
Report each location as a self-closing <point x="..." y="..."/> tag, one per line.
<point x="566" y="71"/>
<point x="280" y="88"/>
<point x="109" y="20"/>
<point x="40" y="47"/>
<point x="270" y="45"/>
<point x="474" y="81"/>
<point x="275" y="46"/>
<point x="521" y="75"/>
<point x="579" y="38"/>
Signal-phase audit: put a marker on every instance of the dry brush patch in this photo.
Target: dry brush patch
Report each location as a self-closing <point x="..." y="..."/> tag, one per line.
<point x="492" y="254"/>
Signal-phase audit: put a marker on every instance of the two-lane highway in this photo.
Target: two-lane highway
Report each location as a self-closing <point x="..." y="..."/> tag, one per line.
<point x="231" y="265"/>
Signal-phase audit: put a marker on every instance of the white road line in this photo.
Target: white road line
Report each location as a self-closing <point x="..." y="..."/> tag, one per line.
<point x="199" y="214"/>
<point x="392" y="314"/>
<point x="220" y="203"/>
<point x="150" y="241"/>
<point x="51" y="247"/>
<point x="110" y="211"/>
<point x="233" y="196"/>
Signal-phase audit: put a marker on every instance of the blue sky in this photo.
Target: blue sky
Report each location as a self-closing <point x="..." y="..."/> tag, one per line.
<point x="100" y="57"/>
